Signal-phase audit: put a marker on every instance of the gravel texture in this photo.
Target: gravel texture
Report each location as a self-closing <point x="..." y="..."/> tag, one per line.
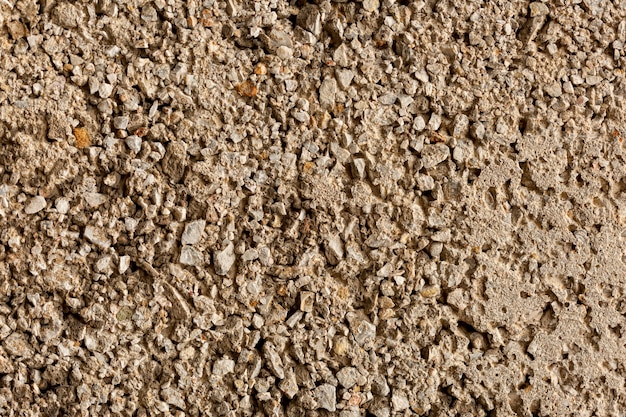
<point x="325" y="208"/>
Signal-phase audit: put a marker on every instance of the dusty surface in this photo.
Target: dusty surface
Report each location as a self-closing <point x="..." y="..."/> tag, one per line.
<point x="381" y="208"/>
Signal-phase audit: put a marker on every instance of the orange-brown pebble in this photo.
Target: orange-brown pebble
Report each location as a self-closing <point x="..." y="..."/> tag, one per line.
<point x="437" y="138"/>
<point x="141" y="132"/>
<point x="83" y="139"/>
<point x="260" y="69"/>
<point x="247" y="89"/>
<point x="205" y="18"/>
<point x="355" y="400"/>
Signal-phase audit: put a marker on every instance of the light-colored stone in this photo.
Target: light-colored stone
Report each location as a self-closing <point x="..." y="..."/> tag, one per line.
<point x="371" y="5"/>
<point x="193" y="232"/>
<point x="538" y="8"/>
<point x="223" y="367"/>
<point x="344" y="77"/>
<point x="433" y="155"/>
<point x="62" y="205"/>
<point x="97" y="236"/>
<point x="326" y="397"/>
<point x="399" y="401"/>
<point x="35" y="205"/>
<point x="124" y="264"/>
<point x="327" y="92"/>
<point x="134" y="143"/>
<point x="190" y="256"/>
<point x="347" y="376"/>
<point x="223" y="260"/>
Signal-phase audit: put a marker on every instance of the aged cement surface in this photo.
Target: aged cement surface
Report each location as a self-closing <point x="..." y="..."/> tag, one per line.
<point x="289" y="208"/>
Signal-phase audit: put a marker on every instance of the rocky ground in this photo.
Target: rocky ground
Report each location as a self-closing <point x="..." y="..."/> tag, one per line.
<point x="354" y="208"/>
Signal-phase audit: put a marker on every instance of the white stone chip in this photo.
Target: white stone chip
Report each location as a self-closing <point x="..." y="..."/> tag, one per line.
<point x="223" y="367"/>
<point x="224" y="259"/>
<point x="326" y="396"/>
<point x="190" y="256"/>
<point x="97" y="236"/>
<point x="35" y="205"/>
<point x="399" y="401"/>
<point x="347" y="376"/>
<point x="371" y="5"/>
<point x="134" y="143"/>
<point x="193" y="232"/>
<point x="62" y="205"/>
<point x="124" y="263"/>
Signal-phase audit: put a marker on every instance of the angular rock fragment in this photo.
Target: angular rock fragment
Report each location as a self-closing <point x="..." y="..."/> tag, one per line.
<point x="134" y="143"/>
<point x="67" y="15"/>
<point x="174" y="397"/>
<point x="363" y="330"/>
<point x="289" y="384"/>
<point x="35" y="205"/>
<point x="334" y="250"/>
<point x="223" y="260"/>
<point x="344" y="77"/>
<point x="310" y="18"/>
<point x="190" y="256"/>
<point x="223" y="367"/>
<point x="399" y="401"/>
<point x="97" y="236"/>
<point x="328" y="91"/>
<point x="307" y="299"/>
<point x="180" y="308"/>
<point x="538" y="8"/>
<point x="17" y="344"/>
<point x="175" y="161"/>
<point x="433" y="155"/>
<point x="275" y="364"/>
<point x="326" y="397"/>
<point x="193" y="232"/>
<point x="347" y="376"/>
<point x="371" y="5"/>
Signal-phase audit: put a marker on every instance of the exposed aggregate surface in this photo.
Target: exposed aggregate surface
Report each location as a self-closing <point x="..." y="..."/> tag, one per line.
<point x="354" y="208"/>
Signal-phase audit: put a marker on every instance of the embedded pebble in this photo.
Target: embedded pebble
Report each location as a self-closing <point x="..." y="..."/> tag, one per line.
<point x="371" y="5"/>
<point x="434" y="122"/>
<point x="134" y="143"/>
<point x="538" y="8"/>
<point x="419" y="124"/>
<point x="124" y="264"/>
<point x="224" y="259"/>
<point x="433" y="155"/>
<point x="97" y="236"/>
<point x="344" y="77"/>
<point x="399" y="401"/>
<point x="62" y="205"/>
<point x="35" y="205"/>
<point x="325" y="396"/>
<point x="193" y="232"/>
<point x="121" y="122"/>
<point x="190" y="256"/>
<point x="223" y="367"/>
<point x="274" y="361"/>
<point x="347" y="377"/>
<point x="289" y="385"/>
<point x="328" y="91"/>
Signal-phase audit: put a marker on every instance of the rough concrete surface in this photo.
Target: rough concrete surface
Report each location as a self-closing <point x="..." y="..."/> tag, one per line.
<point x="289" y="208"/>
